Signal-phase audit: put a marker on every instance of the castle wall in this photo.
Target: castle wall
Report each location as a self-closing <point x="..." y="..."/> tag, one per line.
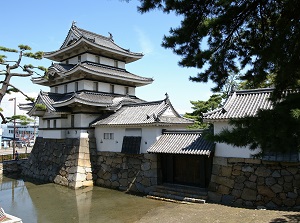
<point x="62" y="161"/>
<point x="134" y="173"/>
<point x="253" y="182"/>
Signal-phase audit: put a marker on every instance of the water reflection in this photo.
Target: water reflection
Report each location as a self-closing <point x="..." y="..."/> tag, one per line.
<point x="35" y="202"/>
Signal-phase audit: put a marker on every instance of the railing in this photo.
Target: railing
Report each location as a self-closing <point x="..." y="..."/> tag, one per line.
<point x="9" y="157"/>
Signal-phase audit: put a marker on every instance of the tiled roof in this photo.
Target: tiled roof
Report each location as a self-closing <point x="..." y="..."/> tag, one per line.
<point x="242" y="103"/>
<point x="182" y="142"/>
<point x="98" y="69"/>
<point x="144" y="113"/>
<point x="95" y="40"/>
<point x="59" y="102"/>
<point x="101" y="40"/>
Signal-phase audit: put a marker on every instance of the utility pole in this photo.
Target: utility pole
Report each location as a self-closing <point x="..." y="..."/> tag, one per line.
<point x="14" y="140"/>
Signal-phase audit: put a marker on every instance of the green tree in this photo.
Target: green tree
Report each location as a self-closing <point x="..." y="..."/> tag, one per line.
<point x="11" y="68"/>
<point x="248" y="38"/>
<point x="201" y="107"/>
<point x="254" y="40"/>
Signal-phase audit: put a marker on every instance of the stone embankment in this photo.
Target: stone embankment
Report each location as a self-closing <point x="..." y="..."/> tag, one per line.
<point x="12" y="166"/>
<point x="253" y="182"/>
<point x="65" y="162"/>
<point x="135" y="173"/>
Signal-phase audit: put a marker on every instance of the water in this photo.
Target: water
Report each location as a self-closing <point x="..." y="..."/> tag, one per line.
<point x="35" y="202"/>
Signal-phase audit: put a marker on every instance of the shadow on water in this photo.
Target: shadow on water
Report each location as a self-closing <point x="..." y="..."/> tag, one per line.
<point x="46" y="202"/>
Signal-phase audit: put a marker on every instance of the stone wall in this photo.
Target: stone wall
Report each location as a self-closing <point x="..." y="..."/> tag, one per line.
<point x="62" y="161"/>
<point x="134" y="173"/>
<point x="253" y="182"/>
<point x="12" y="166"/>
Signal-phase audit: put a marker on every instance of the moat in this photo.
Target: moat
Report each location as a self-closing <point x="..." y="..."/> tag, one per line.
<point x="48" y="202"/>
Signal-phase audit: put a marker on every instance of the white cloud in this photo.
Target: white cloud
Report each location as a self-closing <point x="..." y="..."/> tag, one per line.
<point x="145" y="43"/>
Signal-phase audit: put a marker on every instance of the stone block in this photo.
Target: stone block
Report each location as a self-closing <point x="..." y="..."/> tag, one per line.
<point x="236" y="160"/>
<point x="296" y="183"/>
<point x="223" y="190"/>
<point x="145" y="166"/>
<point x="87" y="183"/>
<point x="253" y="178"/>
<point x="248" y="169"/>
<point x="249" y="194"/>
<point x="292" y="195"/>
<point x="236" y="193"/>
<point x="266" y="191"/>
<point x="226" y="171"/>
<point x="227" y="199"/>
<point x="270" y="181"/>
<point x="152" y="157"/>
<point x="238" y="186"/>
<point x="288" y="178"/>
<point x="276" y="174"/>
<point x="276" y="188"/>
<point x="288" y="187"/>
<point x="263" y="172"/>
<point x="216" y="169"/>
<point x="222" y="161"/>
<point x="293" y="170"/>
<point x="289" y="202"/>
<point x="252" y="161"/>
<point x="80" y="177"/>
<point x="214" y="197"/>
<point x="224" y="181"/>
<point x="240" y="179"/>
<point x="285" y="172"/>
<point x="250" y="185"/>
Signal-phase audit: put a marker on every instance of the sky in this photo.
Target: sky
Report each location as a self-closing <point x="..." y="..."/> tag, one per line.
<point x="43" y="25"/>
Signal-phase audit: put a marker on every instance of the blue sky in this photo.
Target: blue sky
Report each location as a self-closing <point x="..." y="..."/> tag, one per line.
<point x="44" y="24"/>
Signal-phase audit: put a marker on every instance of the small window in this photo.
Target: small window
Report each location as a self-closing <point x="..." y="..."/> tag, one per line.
<point x="66" y="88"/>
<point x="126" y="90"/>
<point x="95" y="86"/>
<point x="72" y="121"/>
<point x="48" y="123"/>
<point x="54" y="123"/>
<point x="56" y="89"/>
<point x="76" y="86"/>
<point x="115" y="63"/>
<point x="108" y="136"/>
<point x="131" y="144"/>
<point x="112" y="88"/>
<point x="67" y="61"/>
<point x="97" y="60"/>
<point x="79" y="58"/>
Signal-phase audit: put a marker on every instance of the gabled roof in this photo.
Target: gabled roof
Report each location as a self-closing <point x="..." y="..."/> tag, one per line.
<point x="80" y="38"/>
<point x="242" y="103"/>
<point x="148" y="113"/>
<point x="60" y="102"/>
<point x="182" y="142"/>
<point x="98" y="71"/>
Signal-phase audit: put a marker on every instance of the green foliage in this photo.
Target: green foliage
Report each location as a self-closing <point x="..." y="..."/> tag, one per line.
<point x="248" y="38"/>
<point x="38" y="55"/>
<point x="2" y="58"/>
<point x="12" y="90"/>
<point x="40" y="107"/>
<point x="24" y="47"/>
<point x="275" y="130"/>
<point x="22" y="119"/>
<point x="201" y="107"/>
<point x="5" y="49"/>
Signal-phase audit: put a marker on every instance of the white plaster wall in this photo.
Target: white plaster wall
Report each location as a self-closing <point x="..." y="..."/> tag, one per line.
<point x="112" y="145"/>
<point x="104" y="87"/>
<point x="149" y="136"/>
<point x="225" y="150"/>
